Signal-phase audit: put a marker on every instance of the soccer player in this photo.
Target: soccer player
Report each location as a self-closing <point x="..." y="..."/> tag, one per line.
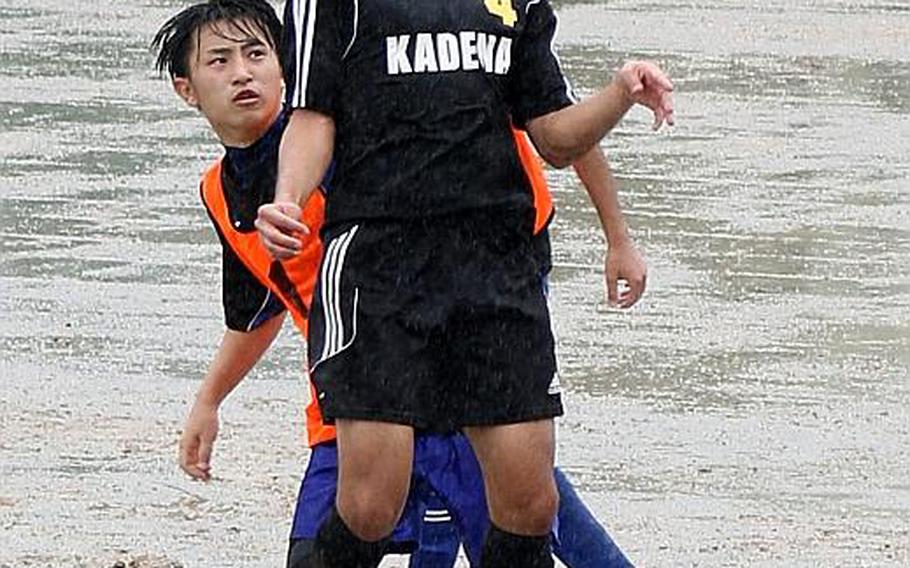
<point x="220" y="55"/>
<point x="430" y="312"/>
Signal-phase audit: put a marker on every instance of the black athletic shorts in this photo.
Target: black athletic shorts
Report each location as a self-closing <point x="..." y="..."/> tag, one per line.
<point x="435" y="323"/>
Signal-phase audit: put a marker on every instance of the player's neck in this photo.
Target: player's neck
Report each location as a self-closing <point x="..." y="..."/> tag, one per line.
<point x="245" y="137"/>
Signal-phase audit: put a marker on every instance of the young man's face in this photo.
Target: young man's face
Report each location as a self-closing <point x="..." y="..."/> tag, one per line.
<point x="235" y="80"/>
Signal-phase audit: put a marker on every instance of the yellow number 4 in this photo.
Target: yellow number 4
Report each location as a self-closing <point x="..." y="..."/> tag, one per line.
<point x="503" y="9"/>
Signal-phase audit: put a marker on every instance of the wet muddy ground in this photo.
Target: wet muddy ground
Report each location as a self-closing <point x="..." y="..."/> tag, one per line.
<point x="752" y="411"/>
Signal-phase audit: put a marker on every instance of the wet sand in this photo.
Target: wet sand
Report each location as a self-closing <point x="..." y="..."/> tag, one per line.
<point x="752" y="411"/>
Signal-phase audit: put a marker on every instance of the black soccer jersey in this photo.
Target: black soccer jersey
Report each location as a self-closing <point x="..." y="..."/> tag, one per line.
<point x="423" y="94"/>
<point x="248" y="178"/>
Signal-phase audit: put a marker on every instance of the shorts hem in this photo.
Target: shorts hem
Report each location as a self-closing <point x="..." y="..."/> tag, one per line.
<point x="531" y="415"/>
<point x="368" y="415"/>
<point x="446" y="424"/>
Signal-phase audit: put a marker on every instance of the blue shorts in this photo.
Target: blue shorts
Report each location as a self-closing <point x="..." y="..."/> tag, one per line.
<point x="446" y="476"/>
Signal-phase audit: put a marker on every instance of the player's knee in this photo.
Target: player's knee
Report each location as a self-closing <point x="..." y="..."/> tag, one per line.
<point x="372" y="524"/>
<point x="371" y="515"/>
<point x="532" y="512"/>
<point x="541" y="512"/>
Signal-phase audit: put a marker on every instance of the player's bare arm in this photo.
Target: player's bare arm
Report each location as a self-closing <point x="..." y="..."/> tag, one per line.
<point x="304" y="157"/>
<point x="564" y="135"/>
<point x="238" y="353"/>
<point x="623" y="260"/>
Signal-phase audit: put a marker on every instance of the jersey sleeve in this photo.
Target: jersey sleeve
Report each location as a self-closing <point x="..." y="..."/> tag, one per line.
<point x="313" y="48"/>
<point x="247" y="303"/>
<point x="536" y="83"/>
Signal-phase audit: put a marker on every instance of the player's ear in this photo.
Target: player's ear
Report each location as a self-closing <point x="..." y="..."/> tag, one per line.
<point x="184" y="89"/>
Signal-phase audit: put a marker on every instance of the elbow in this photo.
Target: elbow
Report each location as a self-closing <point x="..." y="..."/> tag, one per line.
<point x="557" y="146"/>
<point x="558" y="156"/>
<point x="312" y="121"/>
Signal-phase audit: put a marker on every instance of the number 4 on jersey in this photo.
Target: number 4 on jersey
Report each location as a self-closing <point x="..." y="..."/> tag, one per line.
<point x="503" y="9"/>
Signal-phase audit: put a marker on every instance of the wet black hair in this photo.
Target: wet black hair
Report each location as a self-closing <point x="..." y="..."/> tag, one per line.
<point x="250" y="17"/>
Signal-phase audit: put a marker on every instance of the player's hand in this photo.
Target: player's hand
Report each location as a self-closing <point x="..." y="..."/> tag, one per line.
<point x="280" y="229"/>
<point x="197" y="440"/>
<point x="646" y="84"/>
<point x="625" y="262"/>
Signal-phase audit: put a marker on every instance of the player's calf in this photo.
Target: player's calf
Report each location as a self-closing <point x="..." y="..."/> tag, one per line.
<point x="517" y="464"/>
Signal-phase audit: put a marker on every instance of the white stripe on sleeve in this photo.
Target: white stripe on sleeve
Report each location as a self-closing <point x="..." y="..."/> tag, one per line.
<point x="298" y="52"/>
<point x="354" y="33"/>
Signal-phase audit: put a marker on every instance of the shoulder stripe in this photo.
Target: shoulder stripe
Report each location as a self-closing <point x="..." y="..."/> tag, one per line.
<point x="354" y="32"/>
<point x="570" y="93"/>
<point x="304" y="10"/>
<point x="308" y="52"/>
<point x="298" y="37"/>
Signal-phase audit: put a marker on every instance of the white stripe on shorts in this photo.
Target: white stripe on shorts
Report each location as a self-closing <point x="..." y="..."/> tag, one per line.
<point x="436" y="516"/>
<point x="330" y="282"/>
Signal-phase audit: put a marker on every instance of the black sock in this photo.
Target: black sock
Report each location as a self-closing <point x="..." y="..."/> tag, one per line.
<point x="506" y="550"/>
<point x="337" y="547"/>
<point x="299" y="551"/>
